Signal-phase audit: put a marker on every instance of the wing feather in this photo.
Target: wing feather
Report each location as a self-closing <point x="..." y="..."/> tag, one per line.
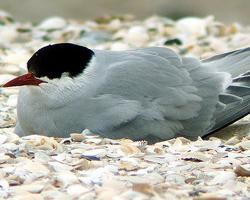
<point x="156" y="79"/>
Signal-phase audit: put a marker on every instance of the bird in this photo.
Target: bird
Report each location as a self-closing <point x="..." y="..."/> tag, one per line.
<point x="149" y="93"/>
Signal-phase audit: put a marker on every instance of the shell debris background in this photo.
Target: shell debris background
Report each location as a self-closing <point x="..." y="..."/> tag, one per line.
<point x="91" y="167"/>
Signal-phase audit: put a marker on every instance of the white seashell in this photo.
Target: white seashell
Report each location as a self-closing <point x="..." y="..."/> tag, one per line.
<point x="245" y="145"/>
<point x="246" y="153"/>
<point x="22" y="195"/>
<point x="10" y="69"/>
<point x="52" y="23"/>
<point x="76" y="190"/>
<point x="3" y="158"/>
<point x="29" y="170"/>
<point x="207" y="145"/>
<point x="94" y="140"/>
<point x="228" y="162"/>
<point x="137" y="36"/>
<point x="55" y="195"/>
<point x="128" y="149"/>
<point x="233" y="141"/>
<point x="78" y="151"/>
<point x="210" y="196"/>
<point x="4" y="184"/>
<point x="12" y="100"/>
<point x="240" y="39"/>
<point x="43" y="143"/>
<point x="241" y="170"/>
<point x="4" y="78"/>
<point x="221" y="177"/>
<point x="3" y="139"/>
<point x="59" y="167"/>
<point x="115" y="24"/>
<point x="127" y="166"/>
<point x="234" y="155"/>
<point x="8" y="34"/>
<point x="17" y="56"/>
<point x="35" y="187"/>
<point x="196" y="157"/>
<point x="42" y="157"/>
<point x="95" y="152"/>
<point x="119" y="46"/>
<point x="64" y="178"/>
<point x="176" y="179"/>
<point x="159" y="159"/>
<point x="95" y="176"/>
<point x="152" y="178"/>
<point x="9" y="146"/>
<point x="192" y="26"/>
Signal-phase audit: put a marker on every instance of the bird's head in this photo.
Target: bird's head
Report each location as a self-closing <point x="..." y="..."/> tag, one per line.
<point x="54" y="64"/>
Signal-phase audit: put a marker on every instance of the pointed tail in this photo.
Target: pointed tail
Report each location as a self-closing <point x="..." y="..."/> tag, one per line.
<point x="235" y="100"/>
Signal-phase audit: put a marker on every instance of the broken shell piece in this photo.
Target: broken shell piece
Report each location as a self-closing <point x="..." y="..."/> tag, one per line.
<point x="43" y="143"/>
<point x="221" y="177"/>
<point x="245" y="145"/>
<point x="4" y="158"/>
<point x="176" y="179"/>
<point x="29" y="170"/>
<point x="12" y="137"/>
<point x="242" y="171"/>
<point x="128" y="149"/>
<point x="9" y="146"/>
<point x="54" y="195"/>
<point x="59" y="167"/>
<point x="192" y="26"/>
<point x="95" y="153"/>
<point x="127" y="166"/>
<point x="76" y="190"/>
<point x="151" y="178"/>
<point x="210" y="196"/>
<point x="52" y="23"/>
<point x="22" y="195"/>
<point x="83" y="164"/>
<point x="196" y="157"/>
<point x="143" y="188"/>
<point x="77" y="137"/>
<point x="64" y="179"/>
<point x="14" y="180"/>
<point x="204" y="145"/>
<point x="3" y="139"/>
<point x="34" y="187"/>
<point x="233" y="141"/>
<point x="90" y="157"/>
<point x="4" y="184"/>
<point x="137" y="35"/>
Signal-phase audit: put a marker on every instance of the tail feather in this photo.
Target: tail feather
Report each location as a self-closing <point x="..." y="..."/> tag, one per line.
<point x="236" y="97"/>
<point x="235" y="62"/>
<point x="229" y="116"/>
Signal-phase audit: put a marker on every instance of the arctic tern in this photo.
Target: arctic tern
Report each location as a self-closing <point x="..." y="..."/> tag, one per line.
<point x="148" y="93"/>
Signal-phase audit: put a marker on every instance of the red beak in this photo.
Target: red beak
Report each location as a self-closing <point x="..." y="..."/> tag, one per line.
<point x="26" y="79"/>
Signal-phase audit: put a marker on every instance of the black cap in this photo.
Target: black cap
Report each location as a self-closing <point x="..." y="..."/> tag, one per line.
<point x="53" y="60"/>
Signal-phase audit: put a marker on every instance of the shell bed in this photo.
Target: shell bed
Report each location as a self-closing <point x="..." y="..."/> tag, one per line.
<point x="89" y="167"/>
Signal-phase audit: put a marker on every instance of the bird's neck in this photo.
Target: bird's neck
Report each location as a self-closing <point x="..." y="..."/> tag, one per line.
<point x="57" y="95"/>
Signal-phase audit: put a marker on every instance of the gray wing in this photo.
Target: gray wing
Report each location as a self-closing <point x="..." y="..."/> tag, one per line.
<point x="175" y="96"/>
<point x="236" y="97"/>
<point x="161" y="87"/>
